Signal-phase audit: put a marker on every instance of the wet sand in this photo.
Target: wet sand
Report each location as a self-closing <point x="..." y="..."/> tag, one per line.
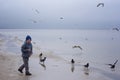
<point x="8" y="67"/>
<point x="53" y="69"/>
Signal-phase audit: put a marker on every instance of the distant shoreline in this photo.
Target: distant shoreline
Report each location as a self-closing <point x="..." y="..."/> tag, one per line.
<point x="54" y="29"/>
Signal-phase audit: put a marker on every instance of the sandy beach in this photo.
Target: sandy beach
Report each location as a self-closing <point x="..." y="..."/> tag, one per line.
<point x="58" y="65"/>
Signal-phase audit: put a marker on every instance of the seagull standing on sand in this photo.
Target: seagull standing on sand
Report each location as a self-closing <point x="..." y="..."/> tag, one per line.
<point x="40" y="56"/>
<point x="87" y="65"/>
<point x="72" y="61"/>
<point x="72" y="65"/>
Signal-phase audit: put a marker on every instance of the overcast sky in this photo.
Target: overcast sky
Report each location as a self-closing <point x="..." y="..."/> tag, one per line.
<point x="59" y="14"/>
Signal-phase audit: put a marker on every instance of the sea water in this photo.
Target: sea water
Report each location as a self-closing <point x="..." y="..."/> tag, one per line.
<point x="102" y="43"/>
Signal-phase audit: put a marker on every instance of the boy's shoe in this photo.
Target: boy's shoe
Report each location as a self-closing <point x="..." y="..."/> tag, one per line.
<point x="20" y="70"/>
<point x="28" y="74"/>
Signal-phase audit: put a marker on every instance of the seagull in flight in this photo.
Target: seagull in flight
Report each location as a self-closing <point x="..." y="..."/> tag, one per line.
<point x="77" y="47"/>
<point x="72" y="61"/>
<point x="37" y="11"/>
<point x="61" y="18"/>
<point x="100" y="4"/>
<point x="116" y="29"/>
<point x="112" y="66"/>
<point x="34" y="21"/>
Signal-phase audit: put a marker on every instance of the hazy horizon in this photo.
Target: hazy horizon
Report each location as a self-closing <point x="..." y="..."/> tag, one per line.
<point x="59" y="14"/>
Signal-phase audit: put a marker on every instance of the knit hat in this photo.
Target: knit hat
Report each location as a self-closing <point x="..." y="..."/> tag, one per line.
<point x="28" y="37"/>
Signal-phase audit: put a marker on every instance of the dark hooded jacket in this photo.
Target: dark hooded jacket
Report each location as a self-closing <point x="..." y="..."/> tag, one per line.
<point x="25" y="51"/>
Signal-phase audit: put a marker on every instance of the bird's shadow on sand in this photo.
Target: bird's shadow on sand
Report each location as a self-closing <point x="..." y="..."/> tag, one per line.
<point x="72" y="67"/>
<point x="43" y="65"/>
<point x="86" y="71"/>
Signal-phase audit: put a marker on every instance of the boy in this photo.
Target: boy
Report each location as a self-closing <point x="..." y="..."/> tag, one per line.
<point x="26" y="53"/>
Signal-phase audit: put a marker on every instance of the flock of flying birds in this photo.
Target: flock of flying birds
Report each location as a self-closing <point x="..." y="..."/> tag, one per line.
<point x="37" y="11"/>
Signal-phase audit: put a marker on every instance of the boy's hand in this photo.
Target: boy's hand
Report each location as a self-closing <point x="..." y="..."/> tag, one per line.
<point x="30" y="55"/>
<point x="29" y="50"/>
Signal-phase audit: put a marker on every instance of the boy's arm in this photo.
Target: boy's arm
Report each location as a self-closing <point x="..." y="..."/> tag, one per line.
<point x="23" y="49"/>
<point x="31" y="50"/>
